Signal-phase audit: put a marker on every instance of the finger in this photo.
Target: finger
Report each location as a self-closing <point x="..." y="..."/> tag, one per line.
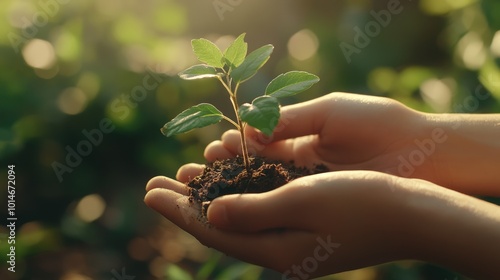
<point x="230" y="145"/>
<point x="231" y="142"/>
<point x="173" y="205"/>
<point x="258" y="248"/>
<point x="162" y="182"/>
<point x="301" y="150"/>
<point x="216" y="150"/>
<point x="276" y="209"/>
<point x="189" y="171"/>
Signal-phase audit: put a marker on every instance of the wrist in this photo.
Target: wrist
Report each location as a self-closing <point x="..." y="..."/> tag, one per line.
<point x="463" y="150"/>
<point x="451" y="229"/>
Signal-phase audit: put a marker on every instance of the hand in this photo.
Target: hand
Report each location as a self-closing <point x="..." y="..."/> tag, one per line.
<point x="357" y="132"/>
<point x="337" y="221"/>
<point x="343" y="131"/>
<point x="363" y="217"/>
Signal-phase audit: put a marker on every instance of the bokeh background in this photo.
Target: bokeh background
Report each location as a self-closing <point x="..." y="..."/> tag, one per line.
<point x="86" y="85"/>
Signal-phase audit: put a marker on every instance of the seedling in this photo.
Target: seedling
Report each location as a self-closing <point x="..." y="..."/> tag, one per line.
<point x="232" y="68"/>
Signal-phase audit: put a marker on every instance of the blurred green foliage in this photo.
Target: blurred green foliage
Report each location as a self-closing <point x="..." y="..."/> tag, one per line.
<point x="70" y="69"/>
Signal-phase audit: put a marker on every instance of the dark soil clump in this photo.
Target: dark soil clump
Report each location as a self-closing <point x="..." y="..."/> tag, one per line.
<point x="229" y="176"/>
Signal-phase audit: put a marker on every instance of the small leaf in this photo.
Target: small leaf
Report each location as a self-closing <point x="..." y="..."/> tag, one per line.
<point x="197" y="116"/>
<point x="291" y="83"/>
<point x="236" y="52"/>
<point x="252" y="63"/>
<point x="263" y="113"/>
<point x="199" y="71"/>
<point x="207" y="52"/>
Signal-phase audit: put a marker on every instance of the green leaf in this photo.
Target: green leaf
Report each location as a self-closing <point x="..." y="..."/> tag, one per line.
<point x="197" y="116"/>
<point x="252" y="63"/>
<point x="199" y="71"/>
<point x="207" y="52"/>
<point x="291" y="83"/>
<point x="263" y="113"/>
<point x="236" y="52"/>
<point x="174" y="272"/>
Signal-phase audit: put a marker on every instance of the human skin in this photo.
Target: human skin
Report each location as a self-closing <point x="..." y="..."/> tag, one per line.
<point x="357" y="132"/>
<point x="373" y="217"/>
<point x="376" y="217"/>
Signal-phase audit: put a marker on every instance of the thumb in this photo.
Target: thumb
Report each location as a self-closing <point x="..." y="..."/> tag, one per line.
<point x="251" y="212"/>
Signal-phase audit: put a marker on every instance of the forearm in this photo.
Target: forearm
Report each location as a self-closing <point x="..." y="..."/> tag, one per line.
<point x="467" y="151"/>
<point x="454" y="230"/>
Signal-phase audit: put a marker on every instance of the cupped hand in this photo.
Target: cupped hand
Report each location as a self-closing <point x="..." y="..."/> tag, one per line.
<point x="315" y="225"/>
<point x="343" y="131"/>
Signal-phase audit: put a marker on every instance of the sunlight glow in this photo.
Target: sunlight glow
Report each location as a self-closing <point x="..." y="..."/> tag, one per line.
<point x="90" y="208"/>
<point x="437" y="93"/>
<point x="72" y="101"/>
<point x="39" y="54"/>
<point x="224" y="41"/>
<point x="472" y="51"/>
<point x="303" y="44"/>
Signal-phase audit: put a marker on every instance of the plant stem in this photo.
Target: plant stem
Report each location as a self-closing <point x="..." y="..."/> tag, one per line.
<point x="241" y="128"/>
<point x="244" y="147"/>
<point x="227" y="87"/>
<point x="232" y="122"/>
<point x="240" y="125"/>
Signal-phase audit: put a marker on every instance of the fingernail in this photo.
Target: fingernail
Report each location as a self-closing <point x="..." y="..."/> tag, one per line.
<point x="217" y="214"/>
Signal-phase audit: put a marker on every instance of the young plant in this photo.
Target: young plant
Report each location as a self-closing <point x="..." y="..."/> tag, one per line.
<point x="232" y="68"/>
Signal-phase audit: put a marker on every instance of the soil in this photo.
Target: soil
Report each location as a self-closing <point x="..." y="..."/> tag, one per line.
<point x="229" y="176"/>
